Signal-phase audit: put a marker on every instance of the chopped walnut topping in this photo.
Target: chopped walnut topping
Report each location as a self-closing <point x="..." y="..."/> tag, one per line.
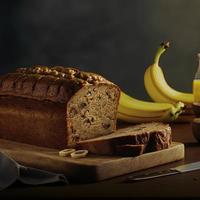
<point x="62" y="72"/>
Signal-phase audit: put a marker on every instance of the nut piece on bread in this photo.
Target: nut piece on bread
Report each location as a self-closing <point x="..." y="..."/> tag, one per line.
<point x="56" y="107"/>
<point x="133" y="140"/>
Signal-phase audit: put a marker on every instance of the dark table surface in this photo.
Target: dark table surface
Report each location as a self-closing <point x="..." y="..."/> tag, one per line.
<point x="181" y="185"/>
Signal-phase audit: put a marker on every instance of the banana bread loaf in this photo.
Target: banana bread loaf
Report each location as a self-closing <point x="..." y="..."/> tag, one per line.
<point x="56" y="107"/>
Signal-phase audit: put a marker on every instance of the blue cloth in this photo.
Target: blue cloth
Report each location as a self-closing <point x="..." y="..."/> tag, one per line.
<point x="11" y="171"/>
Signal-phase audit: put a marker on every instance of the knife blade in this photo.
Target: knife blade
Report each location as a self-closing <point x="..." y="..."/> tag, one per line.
<point x="172" y="171"/>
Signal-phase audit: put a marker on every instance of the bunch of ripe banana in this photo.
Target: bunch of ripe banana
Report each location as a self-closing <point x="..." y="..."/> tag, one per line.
<point x="156" y="85"/>
<point x="168" y="105"/>
<point x="137" y="111"/>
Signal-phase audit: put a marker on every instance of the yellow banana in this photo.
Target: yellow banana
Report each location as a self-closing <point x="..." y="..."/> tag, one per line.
<point x="143" y="105"/>
<point x="137" y="111"/>
<point x="155" y="96"/>
<point x="136" y="119"/>
<point x="156" y="85"/>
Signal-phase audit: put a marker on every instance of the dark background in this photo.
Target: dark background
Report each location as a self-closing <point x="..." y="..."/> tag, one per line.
<point x="116" y="38"/>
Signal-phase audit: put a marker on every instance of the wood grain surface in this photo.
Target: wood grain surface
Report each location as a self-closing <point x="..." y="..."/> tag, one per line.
<point x="92" y="167"/>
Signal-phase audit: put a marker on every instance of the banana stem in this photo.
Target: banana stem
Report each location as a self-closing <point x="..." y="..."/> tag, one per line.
<point x="177" y="110"/>
<point x="162" y="48"/>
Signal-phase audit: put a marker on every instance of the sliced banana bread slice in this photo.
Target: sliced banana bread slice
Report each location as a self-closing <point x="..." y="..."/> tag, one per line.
<point x="137" y="139"/>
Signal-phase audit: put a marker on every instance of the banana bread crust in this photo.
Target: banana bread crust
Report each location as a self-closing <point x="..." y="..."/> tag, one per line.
<point x="41" y="123"/>
<point x="57" y="84"/>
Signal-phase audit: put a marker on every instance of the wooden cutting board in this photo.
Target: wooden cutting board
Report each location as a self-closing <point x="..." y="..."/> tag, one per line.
<point x="91" y="168"/>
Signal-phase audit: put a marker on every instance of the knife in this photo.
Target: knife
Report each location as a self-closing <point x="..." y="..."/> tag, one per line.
<point x="172" y="171"/>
